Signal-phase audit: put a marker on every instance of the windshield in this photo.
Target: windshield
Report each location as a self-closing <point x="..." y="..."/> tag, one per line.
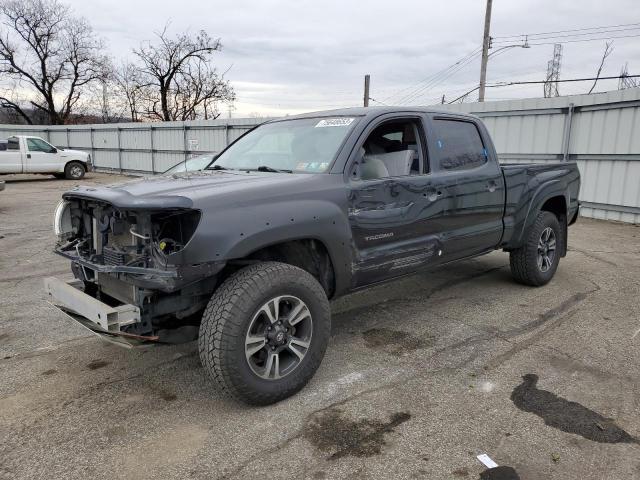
<point x="304" y="145"/>
<point x="191" y="164"/>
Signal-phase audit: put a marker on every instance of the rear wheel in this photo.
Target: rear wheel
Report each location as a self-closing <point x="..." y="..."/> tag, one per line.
<point x="74" y="171"/>
<point x="264" y="332"/>
<point x="536" y="262"/>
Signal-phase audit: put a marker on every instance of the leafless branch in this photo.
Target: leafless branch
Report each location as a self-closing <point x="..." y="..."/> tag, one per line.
<point x="179" y="80"/>
<point x="58" y="55"/>
<point x="607" y="51"/>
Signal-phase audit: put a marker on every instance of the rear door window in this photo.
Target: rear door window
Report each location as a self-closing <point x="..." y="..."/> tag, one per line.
<point x="457" y="145"/>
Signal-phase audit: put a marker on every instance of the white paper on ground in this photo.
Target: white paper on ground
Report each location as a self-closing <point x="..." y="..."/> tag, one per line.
<point x="486" y="460"/>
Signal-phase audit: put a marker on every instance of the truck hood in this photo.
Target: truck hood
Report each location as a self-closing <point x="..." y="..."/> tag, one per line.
<point x="184" y="190"/>
<point x="72" y="153"/>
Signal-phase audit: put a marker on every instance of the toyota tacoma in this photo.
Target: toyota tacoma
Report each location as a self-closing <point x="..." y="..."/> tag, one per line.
<point x="244" y="255"/>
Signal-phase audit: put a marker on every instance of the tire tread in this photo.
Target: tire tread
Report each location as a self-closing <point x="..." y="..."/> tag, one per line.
<point x="225" y="316"/>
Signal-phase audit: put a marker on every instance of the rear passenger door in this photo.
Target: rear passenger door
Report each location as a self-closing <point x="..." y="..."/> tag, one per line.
<point x="474" y="183"/>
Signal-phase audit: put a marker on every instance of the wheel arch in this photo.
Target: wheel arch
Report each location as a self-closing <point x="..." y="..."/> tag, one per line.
<point x="551" y="196"/>
<point x="308" y="253"/>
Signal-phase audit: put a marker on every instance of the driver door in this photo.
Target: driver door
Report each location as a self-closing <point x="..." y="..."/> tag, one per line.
<point x="41" y="157"/>
<point x="395" y="207"/>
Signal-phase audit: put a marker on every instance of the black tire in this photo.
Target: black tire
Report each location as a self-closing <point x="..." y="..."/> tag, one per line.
<point x="74" y="171"/>
<point x="525" y="262"/>
<point x="233" y="310"/>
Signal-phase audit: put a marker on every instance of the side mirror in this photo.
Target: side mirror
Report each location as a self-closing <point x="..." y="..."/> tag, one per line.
<point x="53" y="150"/>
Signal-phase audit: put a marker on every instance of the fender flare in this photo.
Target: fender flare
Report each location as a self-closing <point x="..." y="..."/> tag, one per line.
<point x="544" y="192"/>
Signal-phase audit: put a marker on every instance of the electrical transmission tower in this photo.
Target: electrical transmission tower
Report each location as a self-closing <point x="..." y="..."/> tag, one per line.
<point x="553" y="72"/>
<point x="625" y="81"/>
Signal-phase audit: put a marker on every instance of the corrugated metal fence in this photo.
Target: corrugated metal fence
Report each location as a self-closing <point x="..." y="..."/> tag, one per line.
<point x="140" y="147"/>
<point x="601" y="132"/>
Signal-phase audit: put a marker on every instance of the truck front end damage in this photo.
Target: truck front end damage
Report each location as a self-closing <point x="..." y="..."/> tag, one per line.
<point x="132" y="281"/>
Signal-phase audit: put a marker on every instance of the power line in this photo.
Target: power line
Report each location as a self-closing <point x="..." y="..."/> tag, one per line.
<point x="429" y="78"/>
<point x="533" y="82"/>
<point x="584" y="40"/>
<point x="432" y="78"/>
<point x="603" y="32"/>
<point x="529" y="82"/>
<point x="438" y="79"/>
<point x="566" y="31"/>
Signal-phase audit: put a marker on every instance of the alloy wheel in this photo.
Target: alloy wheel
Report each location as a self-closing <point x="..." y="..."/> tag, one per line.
<point x="546" y="249"/>
<point x="279" y="337"/>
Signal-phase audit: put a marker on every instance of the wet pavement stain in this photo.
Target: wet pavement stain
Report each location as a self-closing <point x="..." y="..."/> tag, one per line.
<point x="96" y="364"/>
<point x="500" y="473"/>
<point x="330" y="431"/>
<point x="394" y="342"/>
<point x="570" y="417"/>
<point x="168" y="396"/>
<point x="460" y="472"/>
<point x="49" y="372"/>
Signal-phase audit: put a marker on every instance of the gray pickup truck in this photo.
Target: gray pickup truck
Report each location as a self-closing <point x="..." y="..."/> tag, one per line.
<point x="245" y="254"/>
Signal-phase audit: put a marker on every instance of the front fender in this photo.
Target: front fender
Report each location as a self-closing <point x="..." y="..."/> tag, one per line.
<point x="234" y="233"/>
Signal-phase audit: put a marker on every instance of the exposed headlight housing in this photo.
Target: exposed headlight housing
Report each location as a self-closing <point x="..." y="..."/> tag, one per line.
<point x="62" y="225"/>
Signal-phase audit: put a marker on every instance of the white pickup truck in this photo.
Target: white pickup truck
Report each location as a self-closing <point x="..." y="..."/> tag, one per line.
<point x="26" y="154"/>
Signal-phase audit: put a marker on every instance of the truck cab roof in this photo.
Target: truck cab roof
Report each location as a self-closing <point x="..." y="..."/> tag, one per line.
<point x="372" y="112"/>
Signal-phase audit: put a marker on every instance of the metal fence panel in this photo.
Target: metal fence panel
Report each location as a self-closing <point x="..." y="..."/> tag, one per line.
<point x="601" y="132"/>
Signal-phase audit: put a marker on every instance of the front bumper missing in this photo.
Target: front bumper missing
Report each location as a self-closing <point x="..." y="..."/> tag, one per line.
<point x="102" y="319"/>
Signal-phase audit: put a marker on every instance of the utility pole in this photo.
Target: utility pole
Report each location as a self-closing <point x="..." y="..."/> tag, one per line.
<point x="486" y="43"/>
<point x="105" y="103"/>
<point x="367" y="82"/>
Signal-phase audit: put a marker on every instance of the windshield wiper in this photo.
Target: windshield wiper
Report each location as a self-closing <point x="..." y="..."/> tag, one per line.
<point x="216" y="167"/>
<point x="267" y="168"/>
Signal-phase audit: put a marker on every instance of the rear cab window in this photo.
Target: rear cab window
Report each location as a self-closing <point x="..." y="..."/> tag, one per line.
<point x="13" y="144"/>
<point x="457" y="145"/>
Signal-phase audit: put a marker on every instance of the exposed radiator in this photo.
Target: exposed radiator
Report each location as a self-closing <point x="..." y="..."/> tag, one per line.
<point x="113" y="257"/>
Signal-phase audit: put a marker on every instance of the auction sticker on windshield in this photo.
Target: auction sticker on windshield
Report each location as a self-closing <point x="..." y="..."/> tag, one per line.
<point x="335" y="122"/>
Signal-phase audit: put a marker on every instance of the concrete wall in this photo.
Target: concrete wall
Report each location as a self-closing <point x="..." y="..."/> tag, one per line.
<point x="601" y="132"/>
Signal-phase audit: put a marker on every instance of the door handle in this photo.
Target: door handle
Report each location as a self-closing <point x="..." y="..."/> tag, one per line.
<point x="28" y="155"/>
<point x="491" y="186"/>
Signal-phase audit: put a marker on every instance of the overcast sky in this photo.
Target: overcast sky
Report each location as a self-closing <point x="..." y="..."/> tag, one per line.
<point x="301" y="55"/>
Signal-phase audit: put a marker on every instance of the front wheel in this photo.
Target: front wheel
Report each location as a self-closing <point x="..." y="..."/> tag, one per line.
<point x="74" y="171"/>
<point x="264" y="332"/>
<point x="535" y="263"/>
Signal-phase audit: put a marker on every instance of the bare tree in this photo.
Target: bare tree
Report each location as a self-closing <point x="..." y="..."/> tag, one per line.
<point x="12" y="101"/>
<point x="44" y="48"/>
<point x="129" y="91"/>
<point x="176" y="80"/>
<point x="607" y="51"/>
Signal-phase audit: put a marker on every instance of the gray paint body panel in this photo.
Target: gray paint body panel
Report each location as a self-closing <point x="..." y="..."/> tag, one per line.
<point x="245" y="211"/>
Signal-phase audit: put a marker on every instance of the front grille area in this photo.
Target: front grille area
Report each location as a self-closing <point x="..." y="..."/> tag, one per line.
<point x="113" y="257"/>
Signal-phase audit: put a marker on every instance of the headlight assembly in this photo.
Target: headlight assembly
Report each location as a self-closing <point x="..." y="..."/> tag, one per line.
<point x="62" y="225"/>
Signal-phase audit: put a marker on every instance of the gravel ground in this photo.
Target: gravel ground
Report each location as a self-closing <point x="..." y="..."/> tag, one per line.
<point x="421" y="376"/>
